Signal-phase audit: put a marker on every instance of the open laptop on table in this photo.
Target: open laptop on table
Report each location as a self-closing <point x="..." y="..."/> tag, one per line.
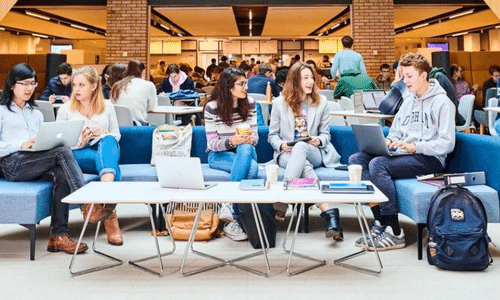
<point x="56" y="134"/>
<point x="180" y="173"/>
<point x="371" y="140"/>
<point x="372" y="100"/>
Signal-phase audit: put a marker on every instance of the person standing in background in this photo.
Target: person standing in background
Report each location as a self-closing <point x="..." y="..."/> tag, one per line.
<point x="347" y="59"/>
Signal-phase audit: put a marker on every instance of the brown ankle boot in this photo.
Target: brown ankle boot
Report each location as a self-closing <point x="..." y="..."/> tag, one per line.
<point x="99" y="212"/>
<point x="113" y="232"/>
<point x="64" y="243"/>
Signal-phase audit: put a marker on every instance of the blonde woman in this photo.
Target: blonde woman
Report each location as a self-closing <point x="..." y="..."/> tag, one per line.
<point x="301" y="112"/>
<point x="98" y="151"/>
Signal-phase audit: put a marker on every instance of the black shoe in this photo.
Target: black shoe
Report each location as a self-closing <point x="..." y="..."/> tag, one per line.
<point x="280" y="209"/>
<point x="332" y="219"/>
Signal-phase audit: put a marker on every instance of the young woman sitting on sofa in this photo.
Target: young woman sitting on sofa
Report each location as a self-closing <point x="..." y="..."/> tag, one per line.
<point x="301" y="112"/>
<point x="19" y="125"/>
<point x="98" y="151"/>
<point x="231" y="129"/>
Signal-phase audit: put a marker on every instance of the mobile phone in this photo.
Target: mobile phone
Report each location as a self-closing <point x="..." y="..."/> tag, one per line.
<point x="342" y="167"/>
<point x="306" y="139"/>
<point x="59" y="97"/>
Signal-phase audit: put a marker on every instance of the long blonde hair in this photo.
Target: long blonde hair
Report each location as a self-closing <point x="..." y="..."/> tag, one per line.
<point x="97" y="103"/>
<point x="292" y="89"/>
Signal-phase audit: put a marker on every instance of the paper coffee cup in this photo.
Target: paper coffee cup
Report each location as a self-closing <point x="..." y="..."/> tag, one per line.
<point x="272" y="173"/>
<point x="355" y="173"/>
<point x="243" y="129"/>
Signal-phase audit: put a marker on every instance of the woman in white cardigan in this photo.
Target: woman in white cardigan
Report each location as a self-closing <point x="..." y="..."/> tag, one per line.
<point x="301" y="112"/>
<point x="136" y="93"/>
<point x="97" y="150"/>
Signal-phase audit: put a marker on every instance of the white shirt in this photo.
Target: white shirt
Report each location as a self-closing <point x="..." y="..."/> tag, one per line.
<point x="17" y="127"/>
<point x="107" y="120"/>
<point x="140" y="96"/>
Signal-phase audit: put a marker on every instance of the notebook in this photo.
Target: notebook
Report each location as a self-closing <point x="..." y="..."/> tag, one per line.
<point x="57" y="134"/>
<point x="371" y="140"/>
<point x="180" y="173"/>
<point x="372" y="100"/>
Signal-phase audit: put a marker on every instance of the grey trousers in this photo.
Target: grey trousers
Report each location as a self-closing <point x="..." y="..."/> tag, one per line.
<point x="301" y="161"/>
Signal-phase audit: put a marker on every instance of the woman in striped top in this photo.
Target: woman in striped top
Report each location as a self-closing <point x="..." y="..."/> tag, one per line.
<point x="231" y="128"/>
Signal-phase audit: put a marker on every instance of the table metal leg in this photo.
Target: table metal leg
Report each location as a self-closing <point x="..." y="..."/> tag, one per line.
<point x="223" y="262"/>
<point x="159" y="254"/>
<point x="90" y="270"/>
<point x="363" y="223"/>
<point x="319" y="262"/>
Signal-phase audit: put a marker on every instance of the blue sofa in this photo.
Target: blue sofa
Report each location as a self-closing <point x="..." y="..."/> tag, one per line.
<point x="26" y="203"/>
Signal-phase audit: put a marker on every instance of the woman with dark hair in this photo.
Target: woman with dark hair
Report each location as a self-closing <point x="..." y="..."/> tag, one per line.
<point x="97" y="151"/>
<point x="136" y="93"/>
<point x="201" y="71"/>
<point x="319" y="78"/>
<point x="19" y="125"/>
<point x="231" y="129"/>
<point x="461" y="86"/>
<point x="177" y="80"/>
<point x="301" y="112"/>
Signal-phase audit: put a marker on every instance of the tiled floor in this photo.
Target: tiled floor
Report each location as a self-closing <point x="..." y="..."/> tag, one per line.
<point x="403" y="275"/>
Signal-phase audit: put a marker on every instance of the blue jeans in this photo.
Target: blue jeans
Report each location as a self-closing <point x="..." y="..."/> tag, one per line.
<point x="381" y="170"/>
<point x="100" y="158"/>
<point x="240" y="165"/>
<point x="57" y="165"/>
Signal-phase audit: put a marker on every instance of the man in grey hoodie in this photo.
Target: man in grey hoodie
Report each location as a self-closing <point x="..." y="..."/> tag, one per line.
<point x="424" y="126"/>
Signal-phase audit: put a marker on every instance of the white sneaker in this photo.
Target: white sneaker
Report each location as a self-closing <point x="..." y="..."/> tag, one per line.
<point x="387" y="240"/>
<point x="226" y="212"/>
<point x="234" y="231"/>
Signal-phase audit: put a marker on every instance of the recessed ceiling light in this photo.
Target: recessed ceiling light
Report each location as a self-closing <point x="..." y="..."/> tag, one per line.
<point x="37" y="15"/>
<point x="40" y="35"/>
<point x="166" y="27"/>
<point x="78" y="26"/>
<point x="462" y="14"/>
<point x="461" y="33"/>
<point x="421" y="25"/>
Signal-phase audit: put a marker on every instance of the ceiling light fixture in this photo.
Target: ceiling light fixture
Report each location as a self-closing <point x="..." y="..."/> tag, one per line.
<point x="78" y="26"/>
<point x="37" y="15"/>
<point x="421" y="25"/>
<point x="1" y="28"/>
<point x="497" y="26"/>
<point x="461" y="33"/>
<point x="40" y="35"/>
<point x="179" y="34"/>
<point x="250" y="25"/>
<point x="462" y="14"/>
<point x="166" y="27"/>
<point x="335" y="26"/>
<point x="250" y="15"/>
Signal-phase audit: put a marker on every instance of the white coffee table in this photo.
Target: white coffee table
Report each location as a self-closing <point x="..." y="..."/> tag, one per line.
<point x="121" y="193"/>
<point x="230" y="192"/>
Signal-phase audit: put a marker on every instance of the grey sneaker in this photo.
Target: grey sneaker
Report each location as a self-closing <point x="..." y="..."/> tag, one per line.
<point x="234" y="231"/>
<point x="388" y="241"/>
<point x="375" y="231"/>
<point x="226" y="212"/>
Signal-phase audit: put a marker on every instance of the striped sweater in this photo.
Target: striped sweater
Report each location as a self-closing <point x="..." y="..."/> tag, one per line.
<point x="218" y="133"/>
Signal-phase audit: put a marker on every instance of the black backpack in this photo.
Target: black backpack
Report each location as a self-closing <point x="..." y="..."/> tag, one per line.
<point x="457" y="223"/>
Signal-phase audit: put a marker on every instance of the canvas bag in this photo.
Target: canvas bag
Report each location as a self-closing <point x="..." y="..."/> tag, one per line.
<point x="170" y="140"/>
<point x="181" y="221"/>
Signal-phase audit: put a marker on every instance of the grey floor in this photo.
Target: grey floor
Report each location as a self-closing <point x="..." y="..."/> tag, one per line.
<point x="403" y="276"/>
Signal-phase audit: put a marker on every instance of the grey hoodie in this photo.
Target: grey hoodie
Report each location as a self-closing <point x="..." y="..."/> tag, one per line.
<point x="428" y="121"/>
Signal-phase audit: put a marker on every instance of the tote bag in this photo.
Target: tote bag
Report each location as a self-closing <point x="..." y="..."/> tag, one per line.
<point x="170" y="140"/>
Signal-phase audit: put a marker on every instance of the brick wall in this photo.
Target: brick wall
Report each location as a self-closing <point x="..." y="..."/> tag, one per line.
<point x="127" y="31"/>
<point x="372" y="23"/>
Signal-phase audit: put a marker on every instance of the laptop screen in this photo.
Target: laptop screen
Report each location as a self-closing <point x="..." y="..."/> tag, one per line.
<point x="372" y="99"/>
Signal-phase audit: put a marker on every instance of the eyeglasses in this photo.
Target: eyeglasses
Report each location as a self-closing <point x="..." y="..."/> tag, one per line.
<point x="27" y="84"/>
<point x="242" y="84"/>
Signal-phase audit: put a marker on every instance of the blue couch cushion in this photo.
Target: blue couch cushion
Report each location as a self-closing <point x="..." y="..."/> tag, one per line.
<point x="138" y="172"/>
<point x="414" y="198"/>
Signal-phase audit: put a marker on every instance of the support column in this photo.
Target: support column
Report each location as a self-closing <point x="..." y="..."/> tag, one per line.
<point x="372" y="28"/>
<point x="127" y="31"/>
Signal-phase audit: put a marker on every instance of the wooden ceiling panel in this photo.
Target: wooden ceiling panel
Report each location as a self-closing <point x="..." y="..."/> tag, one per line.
<point x="484" y="18"/>
<point x="203" y="22"/>
<point x="297" y="21"/>
<point x="404" y="15"/>
<point x="94" y="15"/>
<point x="24" y="22"/>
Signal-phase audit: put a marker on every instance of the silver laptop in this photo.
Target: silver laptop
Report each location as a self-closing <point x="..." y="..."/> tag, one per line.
<point x="56" y="134"/>
<point x="371" y="140"/>
<point x="372" y="100"/>
<point x="180" y="173"/>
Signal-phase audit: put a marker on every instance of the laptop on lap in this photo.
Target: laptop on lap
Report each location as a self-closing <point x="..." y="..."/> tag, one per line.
<point x="57" y="134"/>
<point x="371" y="140"/>
<point x="180" y="173"/>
